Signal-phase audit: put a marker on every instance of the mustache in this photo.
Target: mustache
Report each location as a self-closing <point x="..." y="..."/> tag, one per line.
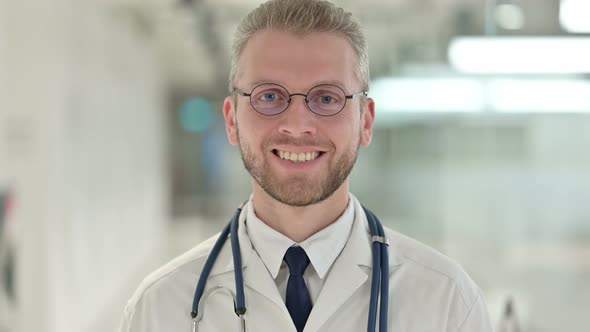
<point x="304" y="141"/>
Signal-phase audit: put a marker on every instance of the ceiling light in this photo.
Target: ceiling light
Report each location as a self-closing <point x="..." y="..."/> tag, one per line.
<point x="539" y="95"/>
<point x="427" y="94"/>
<point x="520" y="55"/>
<point x="464" y="95"/>
<point x="574" y="15"/>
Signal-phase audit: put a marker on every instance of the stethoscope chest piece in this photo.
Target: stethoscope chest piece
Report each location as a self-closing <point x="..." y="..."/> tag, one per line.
<point x="197" y="319"/>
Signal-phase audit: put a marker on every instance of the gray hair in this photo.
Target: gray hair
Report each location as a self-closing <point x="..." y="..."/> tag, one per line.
<point x="302" y="17"/>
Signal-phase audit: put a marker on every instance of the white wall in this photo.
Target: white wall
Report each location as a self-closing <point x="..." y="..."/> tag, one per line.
<point x="82" y="144"/>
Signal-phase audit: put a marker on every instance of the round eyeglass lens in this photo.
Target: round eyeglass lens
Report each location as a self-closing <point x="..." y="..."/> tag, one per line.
<point x="269" y="99"/>
<point x="326" y="100"/>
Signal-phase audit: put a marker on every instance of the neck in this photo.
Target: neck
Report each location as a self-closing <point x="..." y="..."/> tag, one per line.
<point x="299" y="223"/>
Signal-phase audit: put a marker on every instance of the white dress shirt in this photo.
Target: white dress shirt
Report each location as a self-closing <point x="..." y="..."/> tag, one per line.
<point x="322" y="248"/>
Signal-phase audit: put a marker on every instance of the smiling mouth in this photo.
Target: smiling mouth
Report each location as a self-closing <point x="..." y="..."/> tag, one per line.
<point x="300" y="157"/>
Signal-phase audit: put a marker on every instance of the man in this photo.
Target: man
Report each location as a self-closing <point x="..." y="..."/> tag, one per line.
<point x="298" y="111"/>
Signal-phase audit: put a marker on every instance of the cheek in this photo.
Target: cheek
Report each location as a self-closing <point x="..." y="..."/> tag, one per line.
<point x="252" y="131"/>
<point x="346" y="131"/>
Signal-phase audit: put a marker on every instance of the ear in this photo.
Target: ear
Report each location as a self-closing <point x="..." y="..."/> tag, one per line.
<point x="231" y="125"/>
<point x="367" y="120"/>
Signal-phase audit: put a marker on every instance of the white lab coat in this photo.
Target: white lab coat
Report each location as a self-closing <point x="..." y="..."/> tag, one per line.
<point x="428" y="292"/>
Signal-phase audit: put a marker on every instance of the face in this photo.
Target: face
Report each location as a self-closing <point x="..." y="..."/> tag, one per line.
<point x="297" y="157"/>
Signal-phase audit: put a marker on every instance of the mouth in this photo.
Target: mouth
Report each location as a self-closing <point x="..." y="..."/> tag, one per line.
<point x="297" y="157"/>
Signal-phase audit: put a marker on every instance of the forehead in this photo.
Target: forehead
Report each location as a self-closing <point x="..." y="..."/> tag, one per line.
<point x="297" y="61"/>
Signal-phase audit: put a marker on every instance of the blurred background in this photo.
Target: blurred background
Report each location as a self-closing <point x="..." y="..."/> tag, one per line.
<point x="113" y="156"/>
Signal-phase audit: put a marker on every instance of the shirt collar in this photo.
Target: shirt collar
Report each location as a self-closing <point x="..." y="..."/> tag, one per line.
<point x="322" y="248"/>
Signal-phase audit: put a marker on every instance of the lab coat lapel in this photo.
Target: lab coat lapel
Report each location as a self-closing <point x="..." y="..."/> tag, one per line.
<point x="256" y="275"/>
<point x="345" y="276"/>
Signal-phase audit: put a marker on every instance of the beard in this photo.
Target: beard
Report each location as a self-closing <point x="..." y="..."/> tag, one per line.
<point x="302" y="189"/>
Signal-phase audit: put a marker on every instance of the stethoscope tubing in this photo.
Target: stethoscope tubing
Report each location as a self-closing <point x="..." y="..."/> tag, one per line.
<point x="240" y="305"/>
<point x="208" y="267"/>
<point x="380" y="276"/>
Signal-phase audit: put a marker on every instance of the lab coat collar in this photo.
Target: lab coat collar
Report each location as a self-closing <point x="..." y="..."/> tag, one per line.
<point x="224" y="262"/>
<point x="359" y="237"/>
<point x="322" y="248"/>
<point x="363" y="240"/>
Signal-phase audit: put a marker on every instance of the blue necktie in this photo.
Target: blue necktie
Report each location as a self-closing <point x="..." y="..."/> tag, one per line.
<point x="297" y="300"/>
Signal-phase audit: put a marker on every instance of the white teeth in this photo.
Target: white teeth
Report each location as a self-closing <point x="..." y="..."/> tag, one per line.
<point x="298" y="157"/>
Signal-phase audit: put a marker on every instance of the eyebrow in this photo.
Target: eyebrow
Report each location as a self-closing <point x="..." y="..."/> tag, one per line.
<point x="340" y="84"/>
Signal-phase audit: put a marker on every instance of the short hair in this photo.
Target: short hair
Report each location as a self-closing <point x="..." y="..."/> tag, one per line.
<point x="302" y="17"/>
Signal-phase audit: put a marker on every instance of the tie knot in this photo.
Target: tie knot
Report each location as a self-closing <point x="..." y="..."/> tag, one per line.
<point x="296" y="260"/>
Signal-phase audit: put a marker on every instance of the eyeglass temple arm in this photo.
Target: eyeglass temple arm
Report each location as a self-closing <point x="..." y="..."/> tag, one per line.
<point x="364" y="93"/>
<point x="241" y="93"/>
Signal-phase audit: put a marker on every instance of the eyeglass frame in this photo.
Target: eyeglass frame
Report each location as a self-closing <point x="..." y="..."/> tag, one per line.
<point x="346" y="97"/>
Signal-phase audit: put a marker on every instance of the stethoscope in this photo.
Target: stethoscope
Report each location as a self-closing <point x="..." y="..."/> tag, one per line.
<point x="379" y="281"/>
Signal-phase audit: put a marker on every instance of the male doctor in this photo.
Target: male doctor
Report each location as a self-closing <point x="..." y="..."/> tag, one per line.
<point x="298" y="110"/>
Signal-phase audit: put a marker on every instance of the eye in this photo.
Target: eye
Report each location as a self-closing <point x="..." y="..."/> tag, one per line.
<point x="268" y="97"/>
<point x="326" y="99"/>
<point x="326" y="95"/>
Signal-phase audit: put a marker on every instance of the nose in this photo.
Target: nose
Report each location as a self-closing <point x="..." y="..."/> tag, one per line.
<point x="298" y="120"/>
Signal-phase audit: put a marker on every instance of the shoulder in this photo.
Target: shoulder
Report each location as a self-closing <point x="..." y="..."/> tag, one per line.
<point x="190" y="262"/>
<point x="435" y="273"/>
<point x="160" y="290"/>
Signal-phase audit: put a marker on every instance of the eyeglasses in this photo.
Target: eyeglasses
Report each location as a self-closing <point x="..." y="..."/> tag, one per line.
<point x="272" y="99"/>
